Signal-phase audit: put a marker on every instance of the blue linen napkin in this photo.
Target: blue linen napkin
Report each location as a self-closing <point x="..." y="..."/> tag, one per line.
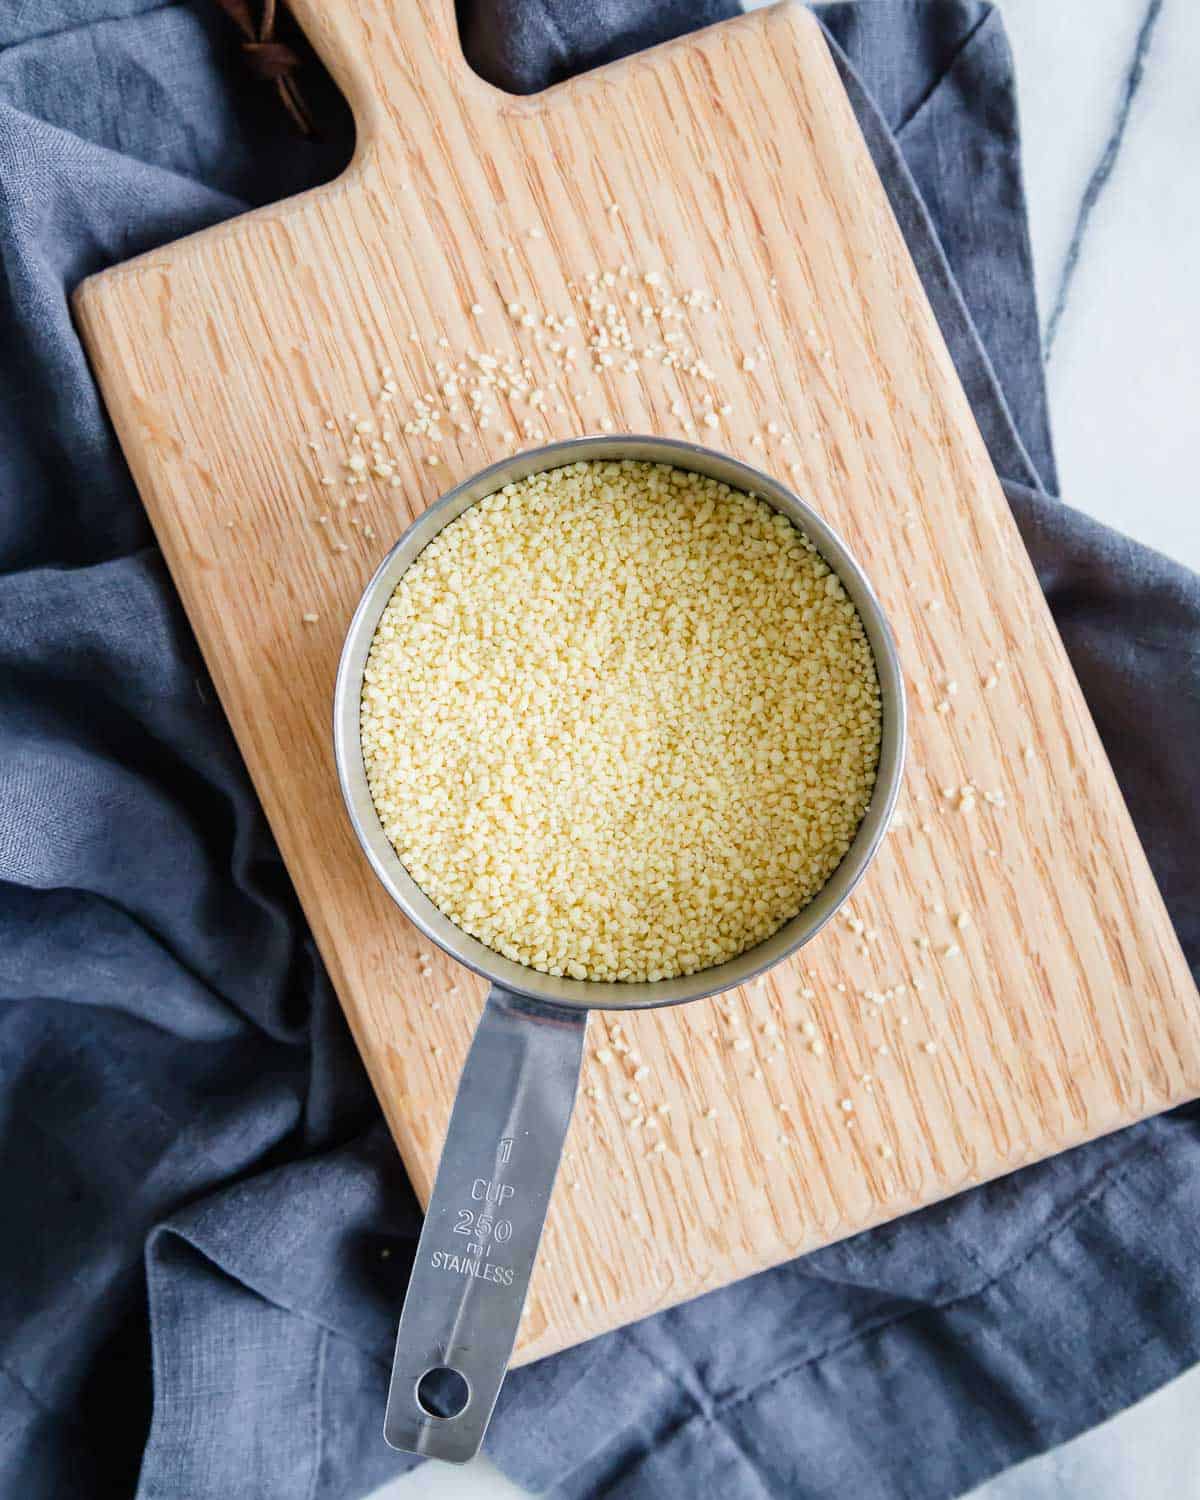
<point x="206" y="1230"/>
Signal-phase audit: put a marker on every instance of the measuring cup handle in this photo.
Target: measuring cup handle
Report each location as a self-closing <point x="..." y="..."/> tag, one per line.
<point x="482" y="1228"/>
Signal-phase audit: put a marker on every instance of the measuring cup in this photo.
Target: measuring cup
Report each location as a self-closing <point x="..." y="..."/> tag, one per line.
<point x="510" y="1116"/>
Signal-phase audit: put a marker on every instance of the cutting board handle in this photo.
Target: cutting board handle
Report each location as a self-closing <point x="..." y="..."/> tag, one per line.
<point x="392" y="58"/>
<point x="426" y="29"/>
<point x="400" y="62"/>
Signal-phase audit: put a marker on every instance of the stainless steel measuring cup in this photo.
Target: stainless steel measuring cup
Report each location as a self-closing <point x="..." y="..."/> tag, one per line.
<point x="514" y="1101"/>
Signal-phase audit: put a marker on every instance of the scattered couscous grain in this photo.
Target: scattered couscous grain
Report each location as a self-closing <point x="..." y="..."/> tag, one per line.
<point x="620" y="721"/>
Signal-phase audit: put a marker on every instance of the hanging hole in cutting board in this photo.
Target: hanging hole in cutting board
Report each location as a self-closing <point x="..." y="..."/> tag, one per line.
<point x="443" y="1392"/>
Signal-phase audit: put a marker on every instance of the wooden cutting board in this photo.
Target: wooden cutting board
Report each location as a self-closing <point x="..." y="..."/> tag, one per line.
<point x="1008" y="983"/>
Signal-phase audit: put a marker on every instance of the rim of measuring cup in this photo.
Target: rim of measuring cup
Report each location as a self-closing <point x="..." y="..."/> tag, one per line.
<point x="614" y="994"/>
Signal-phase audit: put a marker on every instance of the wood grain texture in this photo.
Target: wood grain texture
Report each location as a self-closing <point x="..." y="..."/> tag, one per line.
<point x="1067" y="1010"/>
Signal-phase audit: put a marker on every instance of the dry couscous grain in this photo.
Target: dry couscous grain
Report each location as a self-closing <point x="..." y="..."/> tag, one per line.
<point x="620" y="721"/>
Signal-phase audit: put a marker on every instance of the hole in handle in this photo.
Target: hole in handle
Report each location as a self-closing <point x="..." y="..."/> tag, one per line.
<point x="443" y="1392"/>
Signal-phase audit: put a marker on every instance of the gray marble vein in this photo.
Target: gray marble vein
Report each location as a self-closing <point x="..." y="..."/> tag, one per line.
<point x="1071" y="60"/>
<point x="1099" y="178"/>
<point x="1125" y="375"/>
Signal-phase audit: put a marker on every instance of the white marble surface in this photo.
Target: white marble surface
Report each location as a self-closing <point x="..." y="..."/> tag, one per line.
<point x="1124" y="377"/>
<point x="1123" y="354"/>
